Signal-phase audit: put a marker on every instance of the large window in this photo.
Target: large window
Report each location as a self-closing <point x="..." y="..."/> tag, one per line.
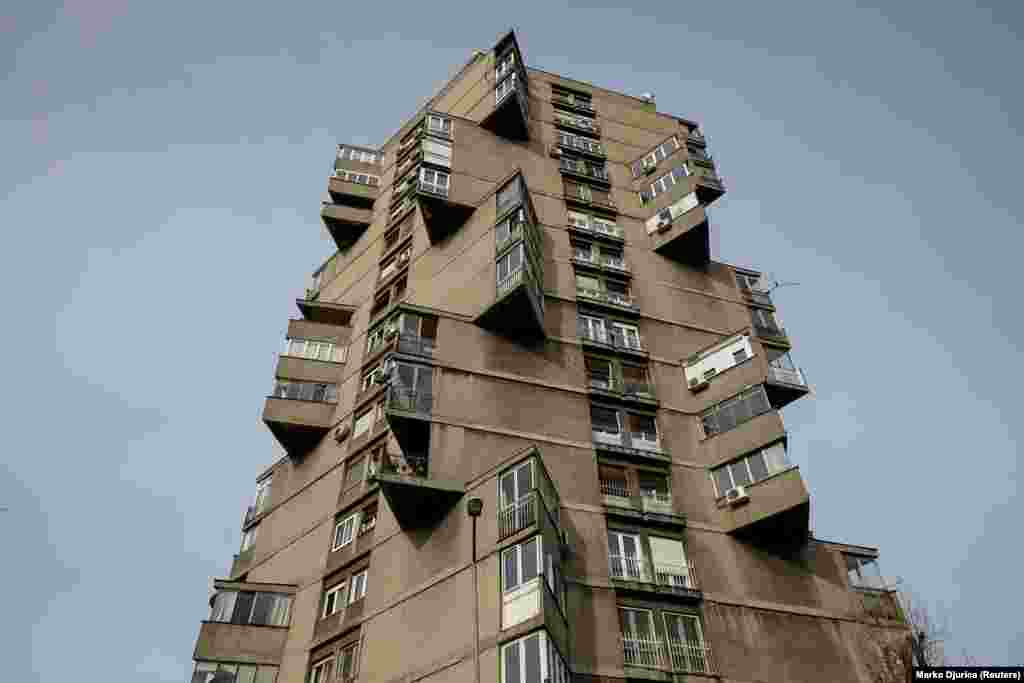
<point x="505" y="65"/>
<point x="751" y="468"/>
<point x="625" y="556"/>
<point x="363" y="422"/>
<point x="361" y="178"/>
<point x="262" y="495"/>
<point x="438" y="153"/>
<point x="321" y="671"/>
<point x="344" y="531"/>
<point x="532" y="659"/>
<point x="862" y="572"/>
<point x="249" y="538"/>
<point x="510" y="194"/>
<point x="510" y="263"/>
<point x="652" y="158"/>
<point x="347" y="661"/>
<point x="334" y="600"/>
<point x="314" y="349"/>
<point x="521" y="563"/>
<point x="434" y="181"/>
<point x="735" y="411"/>
<point x="305" y="391"/>
<point x="439" y="125"/>
<point x="249" y="607"/>
<point x="349" y="153"/>
<point x="605" y="420"/>
<point x="224" y="672"/>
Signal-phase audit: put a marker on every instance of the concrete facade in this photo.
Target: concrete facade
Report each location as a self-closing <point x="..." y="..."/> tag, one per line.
<point x="467" y="405"/>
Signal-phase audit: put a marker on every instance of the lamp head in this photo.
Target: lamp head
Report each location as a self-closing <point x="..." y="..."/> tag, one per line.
<point x="474" y="506"/>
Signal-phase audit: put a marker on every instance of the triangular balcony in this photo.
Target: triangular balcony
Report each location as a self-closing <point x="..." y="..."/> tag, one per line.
<point x="416" y="499"/>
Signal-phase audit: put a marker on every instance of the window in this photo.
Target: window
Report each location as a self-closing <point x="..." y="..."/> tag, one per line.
<point x="764" y="320"/>
<point x="305" y="391"/>
<point x="862" y="572"/>
<point x="505" y="87"/>
<point x="367" y="520"/>
<point x="624" y="556"/>
<point x="588" y="286"/>
<point x="315" y="350"/>
<point x="358" y="587"/>
<point x="577" y="191"/>
<point x="361" y="178"/>
<point x="505" y="65"/>
<point x="321" y="671"/>
<point x="363" y="423"/>
<point x="735" y="411"/>
<point x="532" y="659"/>
<point x="573" y="120"/>
<point x="751" y="468"/>
<point x="249" y="538"/>
<point x="668" y="558"/>
<point x="434" y="181"/>
<point x="573" y="99"/>
<point x="356" y="155"/>
<point x="606" y="226"/>
<point x="625" y="335"/>
<point x="356" y="471"/>
<point x="599" y="373"/>
<point x="739" y="356"/>
<point x="579" y="220"/>
<point x="613" y="481"/>
<point x="225" y="672"/>
<point x="643" y="428"/>
<point x="248" y="607"/>
<point x="440" y="125"/>
<point x="510" y="194"/>
<point x="347" y="662"/>
<point x="591" y="328"/>
<point x="521" y="563"/>
<point x="717" y="359"/>
<point x="439" y="153"/>
<point x="334" y="600"/>
<point x="262" y="495"/>
<point x="746" y="281"/>
<point x="686" y="643"/>
<point x="515" y="487"/>
<point x="510" y="263"/>
<point x="654" y="487"/>
<point x="605" y="420"/>
<point x="343" y="531"/>
<point x="510" y="226"/>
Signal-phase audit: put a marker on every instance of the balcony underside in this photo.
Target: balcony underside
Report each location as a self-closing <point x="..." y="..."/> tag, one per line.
<point x="418" y="502"/>
<point x="778" y="511"/>
<point x="656" y="591"/>
<point x="781" y="393"/>
<point x="410" y="425"/>
<point x="708" y="188"/>
<point x="442" y="216"/>
<point x="625" y="449"/>
<point x="517" y="314"/>
<point x="298" y="425"/>
<point x="240" y="643"/>
<point x="687" y="243"/>
<point x="354" y="194"/>
<point x="625" y="397"/>
<point x="345" y="223"/>
<point x="645" y="517"/>
<point x="509" y="118"/>
<point x="325" y="312"/>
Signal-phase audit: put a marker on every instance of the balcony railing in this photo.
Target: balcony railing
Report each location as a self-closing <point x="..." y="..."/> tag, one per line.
<point x="582" y="145"/>
<point x="513" y="280"/>
<point x="611" y="230"/>
<point x="439" y="190"/>
<point x="409" y="400"/>
<point x="403" y="465"/>
<point x="629" y="568"/>
<point x="614" y="298"/>
<point x="518" y="515"/>
<point x="616" y="487"/>
<point x="619" y="386"/>
<point x="616" y="341"/>
<point x="580" y="167"/>
<point x="675" y="576"/>
<point x="793" y="376"/>
<point x="612" y="262"/>
<point x="679" y="655"/>
<point x="578" y="122"/>
<point x="572" y="102"/>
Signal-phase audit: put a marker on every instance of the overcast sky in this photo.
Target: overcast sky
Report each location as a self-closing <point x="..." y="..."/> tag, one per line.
<point x="161" y="176"/>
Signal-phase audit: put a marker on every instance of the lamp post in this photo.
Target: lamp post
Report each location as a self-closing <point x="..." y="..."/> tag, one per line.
<point x="474" y="506"/>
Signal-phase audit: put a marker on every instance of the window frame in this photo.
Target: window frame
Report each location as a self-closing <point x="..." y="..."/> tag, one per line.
<point x="353" y="518"/>
<point x="745" y="459"/>
<point x="357" y="582"/>
<point x="519" y="549"/>
<point x="331" y="597"/>
<point x="316" y="672"/>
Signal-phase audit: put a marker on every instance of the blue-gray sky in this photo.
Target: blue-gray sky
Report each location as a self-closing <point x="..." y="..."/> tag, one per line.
<point x="163" y="164"/>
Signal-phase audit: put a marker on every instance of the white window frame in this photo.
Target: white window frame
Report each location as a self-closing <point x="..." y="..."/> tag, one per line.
<point x="548" y="654"/>
<point x="507" y="259"/>
<point x="443" y="187"/>
<point x="335" y="599"/>
<point x="519" y="550"/>
<point x="627" y="330"/>
<point x="593" y="323"/>
<point x="506" y="86"/>
<point x="351" y="649"/>
<point x="358" y="584"/>
<point x="352" y="520"/>
<point x="322" y="671"/>
<point x="262" y="493"/>
<point x="685" y="615"/>
<point x="362" y="423"/>
<point x="444" y="124"/>
<point x="769" y="466"/>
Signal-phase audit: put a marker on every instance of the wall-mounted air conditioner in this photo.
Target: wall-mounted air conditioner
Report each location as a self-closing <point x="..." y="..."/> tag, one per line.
<point x="737" y="496"/>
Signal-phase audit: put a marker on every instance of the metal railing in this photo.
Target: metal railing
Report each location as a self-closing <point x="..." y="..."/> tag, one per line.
<point x="678" y="655"/>
<point x="629" y="568"/>
<point x="615" y="341"/>
<point x="638" y="389"/>
<point x="613" y="298"/>
<point x="675" y="576"/>
<point x="613" y="262"/>
<point x="572" y="102"/>
<point x="616" y="487"/>
<point x="585" y="168"/>
<point x="404" y="465"/>
<point x="409" y="400"/>
<point x="644" y="441"/>
<point x="513" y="280"/>
<point x="518" y="515"/>
<point x="580" y="144"/>
<point x="793" y="376"/>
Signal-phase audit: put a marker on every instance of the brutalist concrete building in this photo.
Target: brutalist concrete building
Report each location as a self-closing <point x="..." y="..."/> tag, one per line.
<point x="534" y="430"/>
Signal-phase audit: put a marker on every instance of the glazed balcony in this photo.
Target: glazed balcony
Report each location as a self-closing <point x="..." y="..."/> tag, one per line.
<point x="325" y="312"/>
<point x="641" y="446"/>
<point x="785" y="382"/>
<point x="778" y="508"/>
<point x="518" y="307"/>
<point x="344" y="222"/>
<point x="707" y="184"/>
<point x="579" y="104"/>
<point x="510" y="117"/>
<point x="417" y="499"/>
<point x="582" y="124"/>
<point x="770" y="331"/>
<point x="297" y="424"/>
<point x="584" y="169"/>
<point x="638" y="574"/>
<point x="678" y="656"/>
<point x="408" y="412"/>
<point x="682" y="232"/>
<point x="533" y="603"/>
<point x="756" y="289"/>
<point x="538" y="509"/>
<point x="241" y="643"/>
<point x="612" y="300"/>
<point x="307" y="369"/>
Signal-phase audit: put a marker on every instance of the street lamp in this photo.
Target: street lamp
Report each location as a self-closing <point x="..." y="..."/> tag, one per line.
<point x="474" y="507"/>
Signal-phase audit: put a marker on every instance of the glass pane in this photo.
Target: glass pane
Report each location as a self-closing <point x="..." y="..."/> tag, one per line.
<point x="740" y="475"/>
<point x="757" y="466"/>
<point x="243" y="607"/>
<point x="266" y="674"/>
<point x="722" y="480"/>
<point x="531" y="655"/>
<point x="508" y="488"/>
<point x="529" y="558"/>
<point x="510" y="564"/>
<point x="261" y="610"/>
<point x="775" y="458"/>
<point x="512" y="673"/>
<point x="223" y="606"/>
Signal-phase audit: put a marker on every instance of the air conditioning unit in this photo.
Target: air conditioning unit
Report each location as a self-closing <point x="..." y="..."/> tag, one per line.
<point x="698" y="384"/>
<point x="737" y="496"/>
<point x="341" y="433"/>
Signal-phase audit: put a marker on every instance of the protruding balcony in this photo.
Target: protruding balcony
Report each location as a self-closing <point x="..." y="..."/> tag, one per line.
<point x="297" y="420"/>
<point x="707" y="184"/>
<point x="529" y="501"/>
<point x="248" y="623"/>
<point x="584" y="168"/>
<point x="776" y="508"/>
<point x="355" y="189"/>
<point x="767" y="327"/>
<point x="345" y="223"/>
<point x="785" y="382"/>
<point x="638" y="574"/>
<point x="417" y="499"/>
<point x="510" y="117"/>
<point x="649" y="503"/>
<point x="615" y="301"/>
<point x="573" y="102"/>
<point x="643" y="446"/>
<point x="325" y="312"/>
<point x="681" y="231"/>
<point x="443" y="211"/>
<point x="612" y="383"/>
<point x="408" y="413"/>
